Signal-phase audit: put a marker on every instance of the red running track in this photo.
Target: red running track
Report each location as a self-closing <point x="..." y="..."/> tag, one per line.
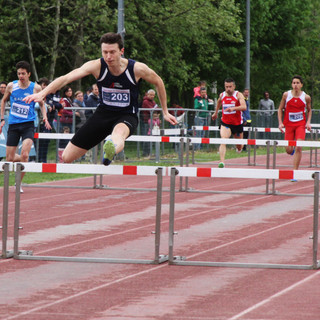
<point x="210" y="226"/>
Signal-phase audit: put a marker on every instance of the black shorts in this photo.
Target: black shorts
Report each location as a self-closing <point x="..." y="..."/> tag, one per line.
<point x="25" y="130"/>
<point x="234" y="129"/>
<point x="100" y="125"/>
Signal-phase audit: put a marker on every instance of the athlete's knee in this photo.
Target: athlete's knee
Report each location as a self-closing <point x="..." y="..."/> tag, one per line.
<point x="66" y="157"/>
<point x="289" y="150"/>
<point x="24" y="156"/>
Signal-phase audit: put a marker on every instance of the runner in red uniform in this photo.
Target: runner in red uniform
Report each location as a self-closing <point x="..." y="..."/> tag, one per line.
<point x="233" y="104"/>
<point x="295" y="103"/>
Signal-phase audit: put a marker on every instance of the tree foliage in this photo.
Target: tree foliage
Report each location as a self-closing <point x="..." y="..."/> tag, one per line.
<point x="184" y="41"/>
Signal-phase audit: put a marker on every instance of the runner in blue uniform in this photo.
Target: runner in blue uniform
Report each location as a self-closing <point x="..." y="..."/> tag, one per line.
<point x="116" y="115"/>
<point x="22" y="114"/>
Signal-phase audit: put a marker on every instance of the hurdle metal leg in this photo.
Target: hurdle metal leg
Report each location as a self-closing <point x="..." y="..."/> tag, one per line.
<point x="6" y="172"/>
<point x="275" y="143"/>
<point x="157" y="257"/>
<point x="315" y="262"/>
<point x="268" y="165"/>
<point x="173" y="174"/>
<point x="181" y="162"/>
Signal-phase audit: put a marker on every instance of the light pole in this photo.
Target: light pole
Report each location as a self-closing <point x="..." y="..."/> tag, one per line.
<point x="121" y="28"/>
<point x="247" y="86"/>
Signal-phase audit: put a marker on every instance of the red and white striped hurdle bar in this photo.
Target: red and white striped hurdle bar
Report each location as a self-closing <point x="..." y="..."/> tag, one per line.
<point x="244" y="173"/>
<point x="89" y="169"/>
<point x="253" y="129"/>
<point x="258" y="142"/>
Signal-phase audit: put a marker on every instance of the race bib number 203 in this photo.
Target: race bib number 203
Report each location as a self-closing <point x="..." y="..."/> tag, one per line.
<point x="116" y="97"/>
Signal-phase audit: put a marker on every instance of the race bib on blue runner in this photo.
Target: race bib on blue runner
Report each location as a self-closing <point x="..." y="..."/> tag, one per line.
<point x="20" y="110"/>
<point x="116" y="97"/>
<point x="295" y="116"/>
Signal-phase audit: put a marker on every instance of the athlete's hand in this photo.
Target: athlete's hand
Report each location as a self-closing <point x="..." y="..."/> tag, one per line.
<point x="36" y="97"/>
<point x="2" y="125"/>
<point x="308" y="126"/>
<point x="281" y="126"/>
<point x="170" y="118"/>
<point x="47" y="125"/>
<point x="214" y="116"/>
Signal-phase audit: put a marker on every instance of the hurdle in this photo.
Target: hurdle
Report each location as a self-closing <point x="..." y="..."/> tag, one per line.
<point x="134" y="138"/>
<point x="255" y="130"/>
<point x="5" y="168"/>
<point x="261" y="142"/>
<point x="244" y="174"/>
<point x="159" y="172"/>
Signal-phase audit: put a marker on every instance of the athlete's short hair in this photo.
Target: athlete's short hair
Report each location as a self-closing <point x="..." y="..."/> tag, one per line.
<point x="229" y="80"/>
<point x="297" y="77"/>
<point x="23" y="65"/>
<point x="112" y="38"/>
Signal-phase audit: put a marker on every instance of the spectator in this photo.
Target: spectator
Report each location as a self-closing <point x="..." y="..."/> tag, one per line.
<point x="154" y="127"/>
<point x="147" y="103"/>
<point x="92" y="101"/>
<point x="196" y="90"/>
<point x="86" y="95"/>
<point x="66" y="116"/>
<point x="3" y="86"/>
<point x="266" y="105"/>
<point x="53" y="100"/>
<point x="79" y="103"/>
<point x="201" y="118"/>
<point x="246" y="116"/>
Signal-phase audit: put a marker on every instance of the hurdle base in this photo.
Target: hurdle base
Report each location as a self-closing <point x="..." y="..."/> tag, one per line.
<point x="177" y="259"/>
<point x="162" y="258"/>
<point x="7" y="255"/>
<point x="25" y="255"/>
<point x="243" y="265"/>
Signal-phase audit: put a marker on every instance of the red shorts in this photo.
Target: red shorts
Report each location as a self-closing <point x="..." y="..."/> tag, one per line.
<point x="295" y="133"/>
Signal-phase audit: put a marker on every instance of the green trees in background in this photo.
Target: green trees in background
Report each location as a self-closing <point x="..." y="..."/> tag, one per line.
<point x="183" y="40"/>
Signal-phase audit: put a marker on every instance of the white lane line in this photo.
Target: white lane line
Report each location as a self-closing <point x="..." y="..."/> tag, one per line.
<point x="276" y="295"/>
<point x="81" y="293"/>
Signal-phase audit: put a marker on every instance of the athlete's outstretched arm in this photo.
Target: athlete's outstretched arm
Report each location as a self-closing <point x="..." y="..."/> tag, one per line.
<point x="144" y="72"/>
<point x="90" y="67"/>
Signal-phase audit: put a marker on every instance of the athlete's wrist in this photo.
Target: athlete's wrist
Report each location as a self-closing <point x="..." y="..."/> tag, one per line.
<point x="2" y="119"/>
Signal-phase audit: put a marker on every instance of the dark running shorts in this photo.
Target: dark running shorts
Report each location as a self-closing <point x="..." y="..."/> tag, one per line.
<point x="25" y="130"/>
<point x="100" y="125"/>
<point x="234" y="129"/>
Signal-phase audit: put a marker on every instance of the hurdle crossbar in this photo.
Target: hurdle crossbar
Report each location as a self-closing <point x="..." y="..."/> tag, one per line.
<point x="159" y="172"/>
<point x="243" y="173"/>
